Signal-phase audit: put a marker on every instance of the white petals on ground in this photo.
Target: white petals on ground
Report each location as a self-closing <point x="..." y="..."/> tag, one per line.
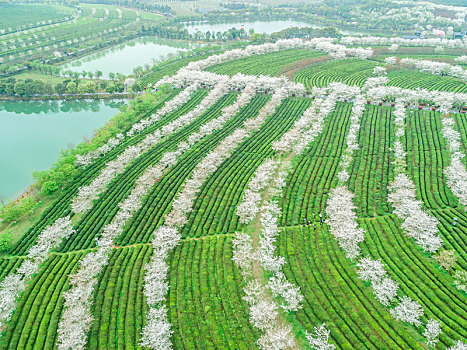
<point x="13" y="284"/>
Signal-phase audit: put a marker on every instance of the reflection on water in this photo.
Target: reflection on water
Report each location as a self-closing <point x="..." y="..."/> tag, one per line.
<point x="267" y="27"/>
<point x="33" y="133"/>
<point x="43" y="107"/>
<point x="123" y="58"/>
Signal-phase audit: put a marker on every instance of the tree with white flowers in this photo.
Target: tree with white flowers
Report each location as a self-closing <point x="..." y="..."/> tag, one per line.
<point x="408" y="311"/>
<point x="157" y="331"/>
<point x="385" y="290"/>
<point x="319" y="340"/>
<point x="243" y="253"/>
<point x="432" y="332"/>
<point x="370" y="270"/>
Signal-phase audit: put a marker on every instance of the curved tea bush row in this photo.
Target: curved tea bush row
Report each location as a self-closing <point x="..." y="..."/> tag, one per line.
<point x="214" y="210"/>
<point x="453" y="236"/>
<point x="61" y="207"/>
<point x="371" y="169"/>
<point x="455" y="172"/>
<point x="413" y="80"/>
<point x="350" y="72"/>
<point x="335" y="295"/>
<point x="267" y="64"/>
<point x="8" y="265"/>
<point x="206" y="306"/>
<point x="315" y="171"/>
<point x="427" y="156"/>
<point x="34" y="324"/>
<point x="118" y="300"/>
<point x="14" y="284"/>
<point x="417" y="276"/>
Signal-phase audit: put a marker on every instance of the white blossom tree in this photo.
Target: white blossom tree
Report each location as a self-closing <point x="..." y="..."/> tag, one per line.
<point x="319" y="340"/>
<point x="408" y="311"/>
<point x="432" y="332"/>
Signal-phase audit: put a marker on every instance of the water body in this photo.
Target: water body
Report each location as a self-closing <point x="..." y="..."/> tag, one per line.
<point x="267" y="27"/>
<point x="33" y="133"/>
<point x="123" y="58"/>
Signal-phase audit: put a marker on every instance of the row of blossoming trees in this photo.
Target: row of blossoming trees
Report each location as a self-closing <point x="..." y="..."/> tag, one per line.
<point x="184" y="145"/>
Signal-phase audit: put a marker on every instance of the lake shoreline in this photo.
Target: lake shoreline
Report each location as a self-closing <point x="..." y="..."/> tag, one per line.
<point x="71" y="97"/>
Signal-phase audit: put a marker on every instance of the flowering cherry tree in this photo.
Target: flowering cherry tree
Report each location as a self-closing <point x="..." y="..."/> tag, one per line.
<point x="432" y="332"/>
<point x="343" y="221"/>
<point x="408" y="311"/>
<point x="319" y="340"/>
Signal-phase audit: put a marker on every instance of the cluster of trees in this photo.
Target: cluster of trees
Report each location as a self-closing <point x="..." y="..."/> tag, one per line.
<point x="176" y="31"/>
<point x="27" y="87"/>
<point x="31" y="87"/>
<point x="13" y="210"/>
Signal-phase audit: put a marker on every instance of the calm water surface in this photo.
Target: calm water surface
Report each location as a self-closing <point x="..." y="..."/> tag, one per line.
<point x="259" y="26"/>
<point x="267" y="27"/>
<point x="123" y="58"/>
<point x="33" y="133"/>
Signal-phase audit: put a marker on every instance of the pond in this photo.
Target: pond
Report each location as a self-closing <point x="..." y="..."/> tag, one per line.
<point x="123" y="58"/>
<point x="33" y="133"/>
<point x="267" y="27"/>
<point x="259" y="26"/>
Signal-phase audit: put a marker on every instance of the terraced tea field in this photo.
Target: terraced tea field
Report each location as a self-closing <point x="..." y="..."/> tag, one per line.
<point x="143" y="247"/>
